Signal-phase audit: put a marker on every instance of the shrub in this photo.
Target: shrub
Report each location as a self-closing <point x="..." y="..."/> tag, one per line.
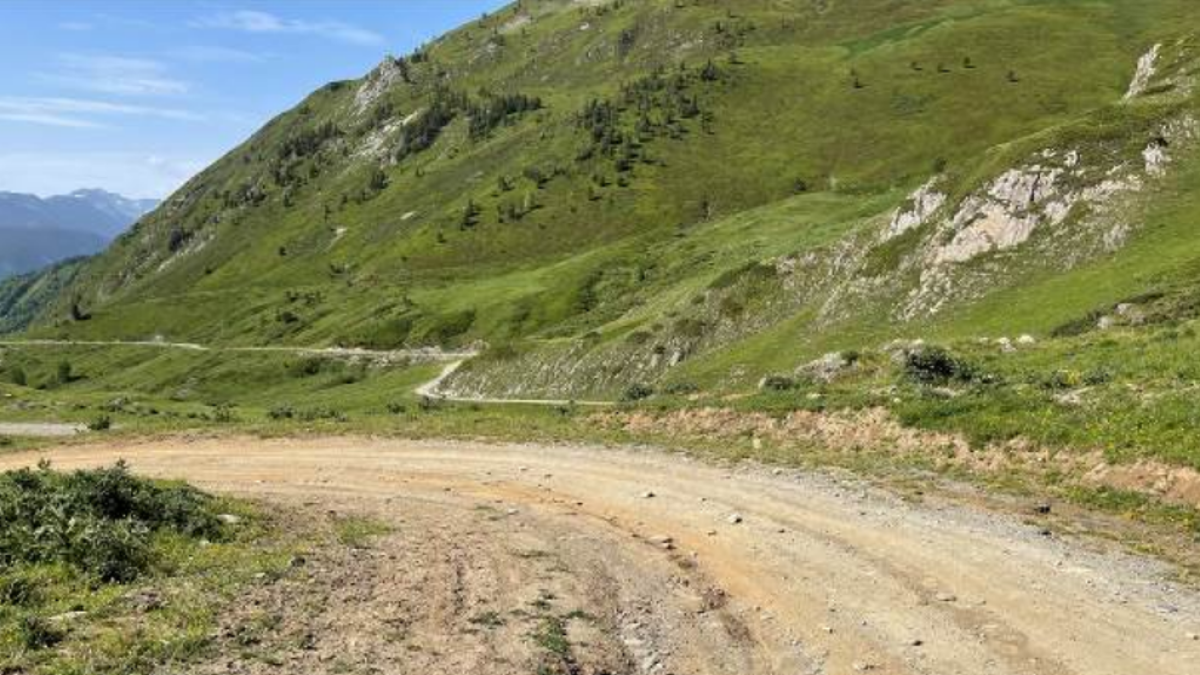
<point x="64" y="374"/>
<point x="681" y="388"/>
<point x="637" y="392"/>
<point x="306" y="367"/>
<point x="778" y="383"/>
<point x="37" y="633"/>
<point x="935" y="365"/>
<point x="100" y="522"/>
<point x="101" y="423"/>
<point x="282" y="412"/>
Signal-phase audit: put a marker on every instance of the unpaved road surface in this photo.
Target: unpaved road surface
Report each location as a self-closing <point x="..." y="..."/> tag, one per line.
<point x="764" y="573"/>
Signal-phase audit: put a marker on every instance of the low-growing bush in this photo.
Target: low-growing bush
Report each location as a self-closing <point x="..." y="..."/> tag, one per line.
<point x="637" y="392"/>
<point x="100" y="522"/>
<point x="935" y="366"/>
<point x="281" y="412"/>
<point x="778" y="383"/>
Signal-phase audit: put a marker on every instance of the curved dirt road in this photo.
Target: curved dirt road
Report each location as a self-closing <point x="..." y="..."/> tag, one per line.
<point x="763" y="573"/>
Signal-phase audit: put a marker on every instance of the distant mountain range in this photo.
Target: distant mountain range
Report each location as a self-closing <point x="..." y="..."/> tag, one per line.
<point x="35" y="232"/>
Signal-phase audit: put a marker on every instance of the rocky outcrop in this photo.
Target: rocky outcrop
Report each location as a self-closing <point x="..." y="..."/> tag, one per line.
<point x="921" y="206"/>
<point x="387" y="75"/>
<point x="1145" y="72"/>
<point x="1005" y="214"/>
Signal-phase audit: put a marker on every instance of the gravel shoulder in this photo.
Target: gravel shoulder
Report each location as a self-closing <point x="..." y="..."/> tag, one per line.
<point x="652" y="563"/>
<point x="40" y="429"/>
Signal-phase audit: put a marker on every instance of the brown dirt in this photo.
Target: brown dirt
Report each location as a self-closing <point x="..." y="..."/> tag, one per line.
<point x="494" y="545"/>
<point x="877" y="430"/>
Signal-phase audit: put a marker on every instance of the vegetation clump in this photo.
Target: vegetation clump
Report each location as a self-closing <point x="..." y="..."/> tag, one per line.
<point x="937" y="366"/>
<point x="101" y="522"/>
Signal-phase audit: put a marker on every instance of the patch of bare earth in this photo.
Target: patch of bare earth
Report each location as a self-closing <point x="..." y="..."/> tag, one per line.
<point x="876" y="430"/>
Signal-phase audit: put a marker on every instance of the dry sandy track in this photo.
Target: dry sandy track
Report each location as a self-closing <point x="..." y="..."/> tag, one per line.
<point x="820" y="576"/>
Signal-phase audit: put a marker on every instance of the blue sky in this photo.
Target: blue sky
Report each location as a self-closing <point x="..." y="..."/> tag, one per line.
<point x="135" y="96"/>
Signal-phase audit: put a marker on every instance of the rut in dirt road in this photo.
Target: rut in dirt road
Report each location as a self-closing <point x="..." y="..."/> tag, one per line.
<point x="517" y="558"/>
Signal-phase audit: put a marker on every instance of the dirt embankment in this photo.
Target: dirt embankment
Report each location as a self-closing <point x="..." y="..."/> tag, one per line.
<point x="877" y="431"/>
<point x="514" y="558"/>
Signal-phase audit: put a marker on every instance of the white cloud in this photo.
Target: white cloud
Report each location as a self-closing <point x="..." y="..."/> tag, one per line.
<point x="75" y="26"/>
<point x="129" y="174"/>
<point x="80" y="113"/>
<point x="116" y="75"/>
<point x="253" y="21"/>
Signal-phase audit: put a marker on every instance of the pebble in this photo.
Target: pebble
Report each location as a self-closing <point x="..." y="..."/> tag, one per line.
<point x="664" y="542"/>
<point x="1194" y="637"/>
<point x="648" y="495"/>
<point x="735" y="519"/>
<point x="946" y="597"/>
<point x="229" y="519"/>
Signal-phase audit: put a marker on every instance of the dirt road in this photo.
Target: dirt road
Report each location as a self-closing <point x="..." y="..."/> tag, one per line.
<point x="653" y="563"/>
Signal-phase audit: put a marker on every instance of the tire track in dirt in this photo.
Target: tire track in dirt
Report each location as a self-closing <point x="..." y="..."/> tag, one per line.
<point x="733" y="571"/>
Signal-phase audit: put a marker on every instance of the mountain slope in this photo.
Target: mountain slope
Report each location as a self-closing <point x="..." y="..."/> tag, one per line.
<point x="698" y="192"/>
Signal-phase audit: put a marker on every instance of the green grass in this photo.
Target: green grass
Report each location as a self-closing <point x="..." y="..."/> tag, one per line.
<point x="358" y="532"/>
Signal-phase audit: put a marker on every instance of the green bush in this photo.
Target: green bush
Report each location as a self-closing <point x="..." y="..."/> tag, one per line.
<point x="778" y="383"/>
<point x="99" y="522"/>
<point x="37" y="633"/>
<point x="637" y="392"/>
<point x="935" y="365"/>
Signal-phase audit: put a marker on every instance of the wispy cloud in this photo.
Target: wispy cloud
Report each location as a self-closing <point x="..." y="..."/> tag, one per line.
<point x="213" y="54"/>
<point x="115" y="75"/>
<point x="80" y="113"/>
<point x="76" y="26"/>
<point x="253" y="21"/>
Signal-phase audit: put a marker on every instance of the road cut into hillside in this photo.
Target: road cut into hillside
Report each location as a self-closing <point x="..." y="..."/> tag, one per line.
<point x="526" y="558"/>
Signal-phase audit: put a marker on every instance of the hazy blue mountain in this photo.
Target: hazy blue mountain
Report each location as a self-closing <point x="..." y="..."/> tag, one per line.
<point x="35" y="232"/>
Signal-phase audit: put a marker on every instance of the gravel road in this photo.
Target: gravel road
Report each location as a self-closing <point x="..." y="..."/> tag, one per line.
<point x="661" y="564"/>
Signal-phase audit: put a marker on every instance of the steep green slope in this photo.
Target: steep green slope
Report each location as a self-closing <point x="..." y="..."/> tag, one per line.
<point x="695" y="192"/>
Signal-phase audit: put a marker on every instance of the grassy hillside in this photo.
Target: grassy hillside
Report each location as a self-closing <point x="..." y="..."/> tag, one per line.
<point x="686" y="194"/>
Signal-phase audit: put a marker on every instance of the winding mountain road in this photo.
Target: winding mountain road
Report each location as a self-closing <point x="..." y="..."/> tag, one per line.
<point x="430" y="389"/>
<point x="667" y="565"/>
